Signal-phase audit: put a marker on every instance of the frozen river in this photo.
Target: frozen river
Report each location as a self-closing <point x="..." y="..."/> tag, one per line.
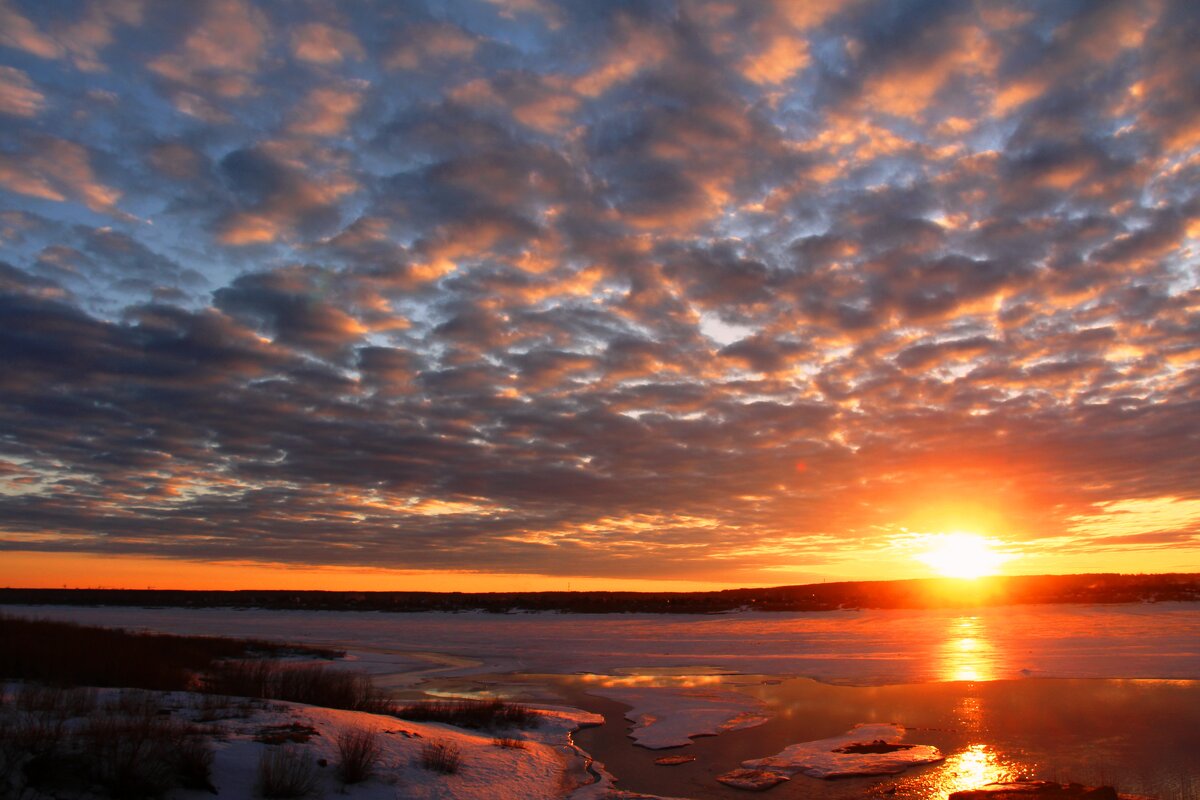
<point x="1092" y="693"/>
<point x="843" y="647"/>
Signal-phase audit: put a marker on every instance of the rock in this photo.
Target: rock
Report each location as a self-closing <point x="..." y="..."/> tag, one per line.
<point x="1037" y="790"/>
<point x="754" y="780"/>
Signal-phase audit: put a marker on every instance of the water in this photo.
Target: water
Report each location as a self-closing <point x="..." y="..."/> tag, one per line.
<point x="1097" y="694"/>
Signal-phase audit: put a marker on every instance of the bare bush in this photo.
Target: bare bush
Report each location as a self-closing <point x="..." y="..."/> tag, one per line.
<point x="358" y="753"/>
<point x="286" y="772"/>
<point x="443" y="757"/>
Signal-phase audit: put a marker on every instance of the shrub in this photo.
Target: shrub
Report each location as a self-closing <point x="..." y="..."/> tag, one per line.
<point x="443" y="757"/>
<point x="285" y="772"/>
<point x="193" y="764"/>
<point x="141" y="754"/>
<point x="490" y="714"/>
<point x="127" y="749"/>
<point x="358" y="753"/>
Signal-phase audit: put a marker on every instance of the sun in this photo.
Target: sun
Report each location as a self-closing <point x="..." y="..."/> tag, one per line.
<point x="962" y="555"/>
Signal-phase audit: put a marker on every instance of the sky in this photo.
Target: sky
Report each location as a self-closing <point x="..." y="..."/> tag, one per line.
<point x="545" y="295"/>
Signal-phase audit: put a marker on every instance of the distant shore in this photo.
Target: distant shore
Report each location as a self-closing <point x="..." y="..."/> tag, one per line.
<point x="918" y="593"/>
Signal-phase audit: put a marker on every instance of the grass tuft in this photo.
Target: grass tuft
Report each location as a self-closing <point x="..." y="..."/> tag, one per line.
<point x="443" y="757"/>
<point x="286" y="772"/>
<point x="358" y="753"/>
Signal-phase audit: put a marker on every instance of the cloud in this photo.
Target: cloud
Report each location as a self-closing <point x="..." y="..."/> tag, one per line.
<point x="18" y="96"/>
<point x="217" y="59"/>
<point x="675" y="289"/>
<point x="421" y="45"/>
<point x="55" y="169"/>
<point x="274" y="195"/>
<point x="319" y="43"/>
<point x="326" y="110"/>
<point x="20" y="33"/>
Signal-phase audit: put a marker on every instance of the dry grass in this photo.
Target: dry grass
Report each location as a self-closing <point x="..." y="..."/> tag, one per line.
<point x="443" y="757"/>
<point x="62" y="741"/>
<point x="479" y="714"/>
<point x="286" y="772"/>
<point x="358" y="753"/>
<point x="67" y="654"/>
<point x="510" y="744"/>
<point x="315" y="684"/>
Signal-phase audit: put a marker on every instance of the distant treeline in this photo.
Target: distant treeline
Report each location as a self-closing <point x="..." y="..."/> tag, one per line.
<point x="922" y="593"/>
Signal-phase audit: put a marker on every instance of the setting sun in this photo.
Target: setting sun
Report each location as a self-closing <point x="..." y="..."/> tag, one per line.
<point x="963" y="555"/>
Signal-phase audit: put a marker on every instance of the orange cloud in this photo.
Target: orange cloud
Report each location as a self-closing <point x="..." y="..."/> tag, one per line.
<point x="18" y="96"/>
<point x="319" y="43"/>
<point x="56" y="169"/>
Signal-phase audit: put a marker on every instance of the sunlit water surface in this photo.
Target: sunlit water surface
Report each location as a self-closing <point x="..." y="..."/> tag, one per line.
<point x="1096" y="694"/>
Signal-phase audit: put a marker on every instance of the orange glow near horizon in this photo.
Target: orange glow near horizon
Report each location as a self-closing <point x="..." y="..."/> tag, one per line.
<point x="33" y="570"/>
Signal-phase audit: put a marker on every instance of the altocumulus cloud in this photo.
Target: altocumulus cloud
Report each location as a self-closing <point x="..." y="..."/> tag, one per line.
<point x="655" y="289"/>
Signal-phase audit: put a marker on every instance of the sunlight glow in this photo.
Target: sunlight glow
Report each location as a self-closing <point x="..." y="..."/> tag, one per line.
<point x="962" y="555"/>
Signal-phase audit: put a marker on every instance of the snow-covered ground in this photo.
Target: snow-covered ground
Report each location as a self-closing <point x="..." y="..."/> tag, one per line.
<point x="544" y="766"/>
<point x="537" y="763"/>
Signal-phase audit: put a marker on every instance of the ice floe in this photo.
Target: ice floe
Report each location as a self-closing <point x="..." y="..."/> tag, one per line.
<point x="754" y="780"/>
<point x="866" y="749"/>
<point x="669" y="717"/>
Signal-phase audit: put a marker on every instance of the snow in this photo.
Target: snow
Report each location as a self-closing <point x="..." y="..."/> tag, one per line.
<point x="547" y="767"/>
<point x="821" y="759"/>
<point x="669" y="717"/>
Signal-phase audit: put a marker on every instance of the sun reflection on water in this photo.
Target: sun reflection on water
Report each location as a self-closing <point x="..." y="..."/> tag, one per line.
<point x="971" y="768"/>
<point x="967" y="653"/>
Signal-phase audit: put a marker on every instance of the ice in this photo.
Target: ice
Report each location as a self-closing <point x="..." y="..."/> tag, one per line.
<point x="855" y="752"/>
<point x="851" y="647"/>
<point x="754" y="780"/>
<point x="669" y="717"/>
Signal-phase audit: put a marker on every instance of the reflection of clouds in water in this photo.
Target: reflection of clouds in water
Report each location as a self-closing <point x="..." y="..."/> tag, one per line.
<point x="652" y="680"/>
<point x="967" y="653"/>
